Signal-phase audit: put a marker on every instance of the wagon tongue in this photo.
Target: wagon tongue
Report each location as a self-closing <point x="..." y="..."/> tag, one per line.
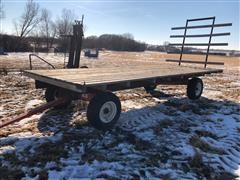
<point x="36" y="110"/>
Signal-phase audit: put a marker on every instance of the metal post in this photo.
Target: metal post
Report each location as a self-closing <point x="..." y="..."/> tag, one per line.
<point x="79" y="35"/>
<point x="210" y="38"/>
<point x="71" y="53"/>
<point x="76" y="45"/>
<point x="185" y="32"/>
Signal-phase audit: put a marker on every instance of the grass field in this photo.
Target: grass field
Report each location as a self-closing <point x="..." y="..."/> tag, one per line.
<point x="159" y="135"/>
<point x="108" y="58"/>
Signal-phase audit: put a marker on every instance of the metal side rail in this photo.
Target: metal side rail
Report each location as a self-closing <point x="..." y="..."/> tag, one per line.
<point x="211" y="25"/>
<point x="30" y="60"/>
<point x="36" y="110"/>
<point x="194" y="62"/>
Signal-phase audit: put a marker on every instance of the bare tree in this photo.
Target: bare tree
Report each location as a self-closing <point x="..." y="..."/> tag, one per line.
<point x="64" y="27"/>
<point x="36" y="40"/>
<point x="45" y="25"/>
<point x="48" y="28"/>
<point x="29" y="19"/>
<point x="166" y="46"/>
<point x="64" y="24"/>
<point x="53" y="33"/>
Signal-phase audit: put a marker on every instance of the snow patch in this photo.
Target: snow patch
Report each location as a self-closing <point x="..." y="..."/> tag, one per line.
<point x="132" y="105"/>
<point x="32" y="103"/>
<point x="26" y="120"/>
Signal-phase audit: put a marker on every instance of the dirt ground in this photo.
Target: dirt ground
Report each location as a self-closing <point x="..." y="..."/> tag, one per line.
<point x="108" y="58"/>
<point x="159" y="135"/>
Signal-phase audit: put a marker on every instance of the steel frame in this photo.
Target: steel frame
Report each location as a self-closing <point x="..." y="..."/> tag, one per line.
<point x="184" y="36"/>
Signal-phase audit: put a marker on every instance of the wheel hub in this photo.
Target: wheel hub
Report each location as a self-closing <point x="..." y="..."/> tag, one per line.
<point x="108" y="111"/>
<point x="198" y="89"/>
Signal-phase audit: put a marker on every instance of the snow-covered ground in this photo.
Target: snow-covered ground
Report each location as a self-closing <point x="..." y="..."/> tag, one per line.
<point x="158" y="135"/>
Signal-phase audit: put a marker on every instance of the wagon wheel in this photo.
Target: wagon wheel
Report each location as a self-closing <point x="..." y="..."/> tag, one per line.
<point x="194" y="88"/>
<point x="150" y="88"/>
<point x="104" y="110"/>
<point x="53" y="93"/>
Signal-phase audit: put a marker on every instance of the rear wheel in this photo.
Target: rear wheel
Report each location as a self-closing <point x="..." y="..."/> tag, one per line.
<point x="151" y="87"/>
<point x="194" y="88"/>
<point x="104" y="110"/>
<point x="53" y="93"/>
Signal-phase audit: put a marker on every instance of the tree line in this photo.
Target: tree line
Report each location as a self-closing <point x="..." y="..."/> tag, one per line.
<point x="35" y="30"/>
<point x="114" y="42"/>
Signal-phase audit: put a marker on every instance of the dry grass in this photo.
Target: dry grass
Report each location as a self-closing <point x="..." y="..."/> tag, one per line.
<point x="16" y="91"/>
<point x="108" y="58"/>
<point x="197" y="142"/>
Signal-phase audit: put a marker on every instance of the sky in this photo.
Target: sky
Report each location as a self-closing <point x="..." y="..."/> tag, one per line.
<point x="148" y="21"/>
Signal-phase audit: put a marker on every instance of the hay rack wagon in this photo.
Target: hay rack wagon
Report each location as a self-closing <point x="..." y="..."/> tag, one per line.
<point x="97" y="85"/>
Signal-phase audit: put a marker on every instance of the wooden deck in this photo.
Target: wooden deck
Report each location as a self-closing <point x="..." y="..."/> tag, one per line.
<point x="79" y="79"/>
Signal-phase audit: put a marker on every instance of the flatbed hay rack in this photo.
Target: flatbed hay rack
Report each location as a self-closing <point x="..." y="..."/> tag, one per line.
<point x="97" y="85"/>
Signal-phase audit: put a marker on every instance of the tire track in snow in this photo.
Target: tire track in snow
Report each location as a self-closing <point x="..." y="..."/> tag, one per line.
<point x="148" y="117"/>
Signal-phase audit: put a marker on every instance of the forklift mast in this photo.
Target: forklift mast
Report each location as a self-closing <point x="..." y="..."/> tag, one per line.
<point x="75" y="45"/>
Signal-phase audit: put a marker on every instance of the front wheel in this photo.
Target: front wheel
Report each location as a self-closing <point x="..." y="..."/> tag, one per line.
<point x="194" y="88"/>
<point x="53" y="93"/>
<point x="104" y="110"/>
<point x="150" y="88"/>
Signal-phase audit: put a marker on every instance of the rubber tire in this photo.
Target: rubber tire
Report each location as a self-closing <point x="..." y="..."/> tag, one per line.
<point x="150" y="88"/>
<point x="191" y="88"/>
<point x="94" y="108"/>
<point x="50" y="94"/>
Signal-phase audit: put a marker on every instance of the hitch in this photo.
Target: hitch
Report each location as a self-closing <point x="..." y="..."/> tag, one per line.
<point x="36" y="110"/>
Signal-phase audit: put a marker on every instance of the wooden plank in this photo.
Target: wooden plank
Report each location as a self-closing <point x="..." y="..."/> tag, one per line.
<point x="89" y="71"/>
<point x="194" y="62"/>
<point x="99" y="70"/>
<point x="79" y="79"/>
<point x="104" y="74"/>
<point x="120" y="77"/>
<point x="83" y="76"/>
<point x="56" y="82"/>
<point x="145" y="77"/>
<point x="101" y="74"/>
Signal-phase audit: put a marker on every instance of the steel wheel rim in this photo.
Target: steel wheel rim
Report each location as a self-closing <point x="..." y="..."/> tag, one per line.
<point x="108" y="111"/>
<point x="198" y="89"/>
